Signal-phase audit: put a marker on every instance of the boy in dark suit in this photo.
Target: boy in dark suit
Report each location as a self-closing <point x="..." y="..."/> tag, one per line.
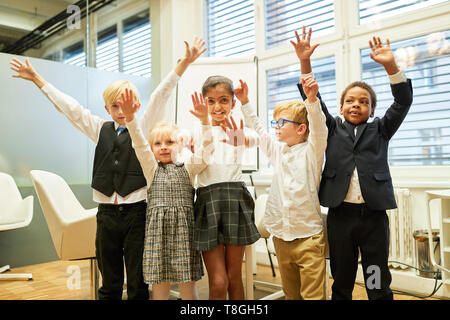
<point x="356" y="183"/>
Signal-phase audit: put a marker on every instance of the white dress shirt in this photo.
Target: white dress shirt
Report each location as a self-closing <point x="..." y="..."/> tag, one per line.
<point x="225" y="164"/>
<point x="354" y="194"/>
<point x="293" y="208"/>
<point x="90" y="124"/>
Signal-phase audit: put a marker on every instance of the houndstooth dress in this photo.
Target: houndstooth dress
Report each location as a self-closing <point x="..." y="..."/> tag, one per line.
<point x="168" y="252"/>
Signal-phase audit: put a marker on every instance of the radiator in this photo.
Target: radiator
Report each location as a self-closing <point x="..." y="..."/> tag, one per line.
<point x="400" y="224"/>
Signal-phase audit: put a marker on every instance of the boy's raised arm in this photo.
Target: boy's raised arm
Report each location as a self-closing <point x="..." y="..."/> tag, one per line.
<point x="266" y="143"/>
<point x="81" y="118"/>
<point x="401" y="87"/>
<point x="27" y="72"/>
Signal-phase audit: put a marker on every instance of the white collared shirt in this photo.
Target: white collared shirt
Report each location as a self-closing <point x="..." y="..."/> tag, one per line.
<point x="293" y="207"/>
<point x="90" y="124"/>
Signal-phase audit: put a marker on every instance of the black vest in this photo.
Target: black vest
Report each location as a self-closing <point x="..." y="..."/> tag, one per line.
<point x="116" y="167"/>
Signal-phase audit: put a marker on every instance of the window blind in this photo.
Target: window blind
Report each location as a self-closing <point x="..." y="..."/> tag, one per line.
<point x="424" y="136"/>
<point x="107" y="52"/>
<point x="230" y="27"/>
<point x="371" y="10"/>
<point x="284" y="17"/>
<point x="137" y="45"/>
<point x="282" y="85"/>
<point x="75" y="55"/>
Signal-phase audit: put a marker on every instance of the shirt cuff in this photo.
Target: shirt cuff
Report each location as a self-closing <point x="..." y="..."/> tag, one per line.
<point x="398" y="77"/>
<point x="305" y="75"/>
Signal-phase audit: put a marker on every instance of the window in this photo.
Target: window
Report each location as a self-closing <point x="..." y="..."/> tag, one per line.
<point x="137" y="45"/>
<point x="371" y="10"/>
<point x="230" y="27"/>
<point x="283" y="17"/>
<point x="424" y="136"/>
<point x="75" y="55"/>
<point x="107" y="53"/>
<point x="282" y="85"/>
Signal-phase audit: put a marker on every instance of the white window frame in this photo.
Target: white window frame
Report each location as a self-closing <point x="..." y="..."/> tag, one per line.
<point x="347" y="41"/>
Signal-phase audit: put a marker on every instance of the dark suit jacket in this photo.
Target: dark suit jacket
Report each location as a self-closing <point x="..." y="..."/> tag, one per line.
<point x="368" y="151"/>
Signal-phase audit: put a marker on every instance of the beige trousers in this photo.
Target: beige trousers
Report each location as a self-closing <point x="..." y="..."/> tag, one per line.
<point x="302" y="267"/>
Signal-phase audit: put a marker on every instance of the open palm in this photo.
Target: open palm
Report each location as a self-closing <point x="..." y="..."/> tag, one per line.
<point x="24" y="70"/>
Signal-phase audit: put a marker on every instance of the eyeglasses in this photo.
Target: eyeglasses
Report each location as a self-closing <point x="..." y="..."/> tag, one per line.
<point x="280" y="122"/>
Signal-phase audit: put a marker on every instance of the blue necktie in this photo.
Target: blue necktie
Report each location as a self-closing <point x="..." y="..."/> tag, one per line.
<point x="119" y="130"/>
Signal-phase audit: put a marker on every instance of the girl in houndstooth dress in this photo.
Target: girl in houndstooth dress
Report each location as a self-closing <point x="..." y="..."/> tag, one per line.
<point x="168" y="253"/>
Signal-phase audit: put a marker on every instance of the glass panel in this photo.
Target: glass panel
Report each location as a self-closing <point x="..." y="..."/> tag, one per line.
<point x="282" y="85"/>
<point x="107" y="51"/>
<point x="137" y="45"/>
<point x="424" y="136"/>
<point x="372" y="10"/>
<point x="231" y="27"/>
<point x="43" y="29"/>
<point x="284" y="17"/>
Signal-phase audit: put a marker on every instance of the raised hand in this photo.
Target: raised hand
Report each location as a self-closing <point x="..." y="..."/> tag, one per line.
<point x="26" y="71"/>
<point x="241" y="92"/>
<point x="303" y="47"/>
<point x="128" y="104"/>
<point x="383" y="54"/>
<point x="200" y="108"/>
<point x="194" y="51"/>
<point x="310" y="87"/>
<point x="236" y="136"/>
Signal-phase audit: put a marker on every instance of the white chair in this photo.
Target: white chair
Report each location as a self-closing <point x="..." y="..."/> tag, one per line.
<point x="15" y="213"/>
<point x="71" y="226"/>
<point x="260" y="208"/>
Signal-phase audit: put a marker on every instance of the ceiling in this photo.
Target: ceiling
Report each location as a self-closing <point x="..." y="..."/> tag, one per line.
<point x="18" y="18"/>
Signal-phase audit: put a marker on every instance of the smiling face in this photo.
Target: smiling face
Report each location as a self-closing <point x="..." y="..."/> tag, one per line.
<point x="165" y="148"/>
<point x="163" y="142"/>
<point x="220" y="101"/>
<point x="358" y="103"/>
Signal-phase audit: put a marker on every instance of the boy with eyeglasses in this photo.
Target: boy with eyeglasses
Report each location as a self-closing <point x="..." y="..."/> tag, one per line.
<point x="293" y="213"/>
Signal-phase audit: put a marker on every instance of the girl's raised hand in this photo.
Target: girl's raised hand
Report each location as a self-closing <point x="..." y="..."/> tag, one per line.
<point x="192" y="53"/>
<point x="241" y="92"/>
<point x="200" y="108"/>
<point x="128" y="104"/>
<point x="236" y="136"/>
<point x="303" y="47"/>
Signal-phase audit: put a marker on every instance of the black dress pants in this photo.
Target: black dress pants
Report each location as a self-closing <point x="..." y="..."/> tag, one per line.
<point x="352" y="227"/>
<point x="120" y="234"/>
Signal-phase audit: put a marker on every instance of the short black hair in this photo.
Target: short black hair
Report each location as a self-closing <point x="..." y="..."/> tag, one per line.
<point x="214" y="81"/>
<point x="361" y="84"/>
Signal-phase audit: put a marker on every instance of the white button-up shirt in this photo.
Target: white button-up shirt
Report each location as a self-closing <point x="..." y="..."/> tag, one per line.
<point x="293" y="207"/>
<point x="90" y="124"/>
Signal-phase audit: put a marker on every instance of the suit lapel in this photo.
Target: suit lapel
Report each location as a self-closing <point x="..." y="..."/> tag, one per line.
<point x="360" y="131"/>
<point x="349" y="128"/>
